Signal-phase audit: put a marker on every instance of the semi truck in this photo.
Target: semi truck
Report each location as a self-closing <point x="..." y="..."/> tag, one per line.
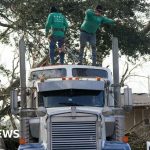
<point x="68" y="107"/>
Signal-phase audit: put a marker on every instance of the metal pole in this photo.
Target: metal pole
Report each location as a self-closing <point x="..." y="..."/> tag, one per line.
<point x="116" y="71"/>
<point x="22" y="51"/>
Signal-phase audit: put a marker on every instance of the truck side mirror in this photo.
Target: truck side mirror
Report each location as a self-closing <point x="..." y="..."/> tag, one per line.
<point x="14" y="102"/>
<point x="127" y="100"/>
<point x="107" y="111"/>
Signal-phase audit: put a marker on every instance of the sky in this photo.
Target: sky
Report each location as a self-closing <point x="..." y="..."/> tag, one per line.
<point x="6" y="58"/>
<point x="139" y="81"/>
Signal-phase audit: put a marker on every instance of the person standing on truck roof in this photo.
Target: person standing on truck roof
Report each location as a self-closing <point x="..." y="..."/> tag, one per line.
<point x="57" y="23"/>
<point x="92" y="21"/>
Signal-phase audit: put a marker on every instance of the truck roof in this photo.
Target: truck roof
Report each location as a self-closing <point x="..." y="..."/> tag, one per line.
<point x="69" y="66"/>
<point x="59" y="71"/>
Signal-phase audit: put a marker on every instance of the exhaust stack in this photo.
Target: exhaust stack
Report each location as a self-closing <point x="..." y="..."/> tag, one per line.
<point x="22" y="51"/>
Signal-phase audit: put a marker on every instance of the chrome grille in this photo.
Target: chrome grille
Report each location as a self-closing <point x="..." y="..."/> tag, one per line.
<point x="73" y="136"/>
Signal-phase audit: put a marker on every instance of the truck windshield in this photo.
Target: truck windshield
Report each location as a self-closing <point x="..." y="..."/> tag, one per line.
<point x="86" y="72"/>
<point x="48" y="73"/>
<point x="71" y="98"/>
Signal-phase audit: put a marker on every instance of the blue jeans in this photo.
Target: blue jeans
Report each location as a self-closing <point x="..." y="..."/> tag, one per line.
<point x="53" y="41"/>
<point x="84" y="38"/>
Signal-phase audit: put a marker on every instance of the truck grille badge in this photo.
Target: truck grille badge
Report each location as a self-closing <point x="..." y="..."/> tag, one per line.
<point x="73" y="112"/>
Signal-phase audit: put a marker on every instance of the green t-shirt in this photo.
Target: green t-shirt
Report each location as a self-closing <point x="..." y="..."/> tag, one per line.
<point x="57" y="23"/>
<point x="92" y="22"/>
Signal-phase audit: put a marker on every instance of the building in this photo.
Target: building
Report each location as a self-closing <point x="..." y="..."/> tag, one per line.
<point x="138" y="118"/>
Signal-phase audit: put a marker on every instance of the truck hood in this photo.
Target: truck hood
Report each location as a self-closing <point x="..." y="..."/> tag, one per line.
<point x="92" y="110"/>
<point x="89" y="110"/>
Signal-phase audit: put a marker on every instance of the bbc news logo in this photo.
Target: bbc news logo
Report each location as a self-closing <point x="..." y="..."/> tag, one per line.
<point x="9" y="133"/>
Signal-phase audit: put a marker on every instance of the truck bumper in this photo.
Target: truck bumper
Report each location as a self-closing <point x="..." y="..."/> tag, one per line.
<point x="31" y="146"/>
<point x="115" y="145"/>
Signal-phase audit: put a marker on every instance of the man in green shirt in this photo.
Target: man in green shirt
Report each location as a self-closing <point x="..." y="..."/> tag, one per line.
<point x="57" y="23"/>
<point x="92" y="21"/>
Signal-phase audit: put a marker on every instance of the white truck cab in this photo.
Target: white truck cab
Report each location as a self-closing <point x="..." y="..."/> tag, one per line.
<point x="72" y="109"/>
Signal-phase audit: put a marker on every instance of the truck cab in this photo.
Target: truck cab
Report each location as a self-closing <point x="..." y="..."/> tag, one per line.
<point x="73" y="108"/>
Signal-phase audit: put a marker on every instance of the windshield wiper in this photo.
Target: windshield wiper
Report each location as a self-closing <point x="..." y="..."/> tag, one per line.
<point x="70" y="104"/>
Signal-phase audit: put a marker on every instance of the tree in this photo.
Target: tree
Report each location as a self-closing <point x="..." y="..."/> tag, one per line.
<point x="129" y="68"/>
<point x="5" y="111"/>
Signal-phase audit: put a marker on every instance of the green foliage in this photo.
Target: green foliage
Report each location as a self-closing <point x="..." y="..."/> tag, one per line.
<point x="29" y="17"/>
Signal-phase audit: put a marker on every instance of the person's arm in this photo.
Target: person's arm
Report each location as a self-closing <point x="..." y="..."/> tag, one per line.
<point x="48" y="24"/>
<point x="108" y="21"/>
